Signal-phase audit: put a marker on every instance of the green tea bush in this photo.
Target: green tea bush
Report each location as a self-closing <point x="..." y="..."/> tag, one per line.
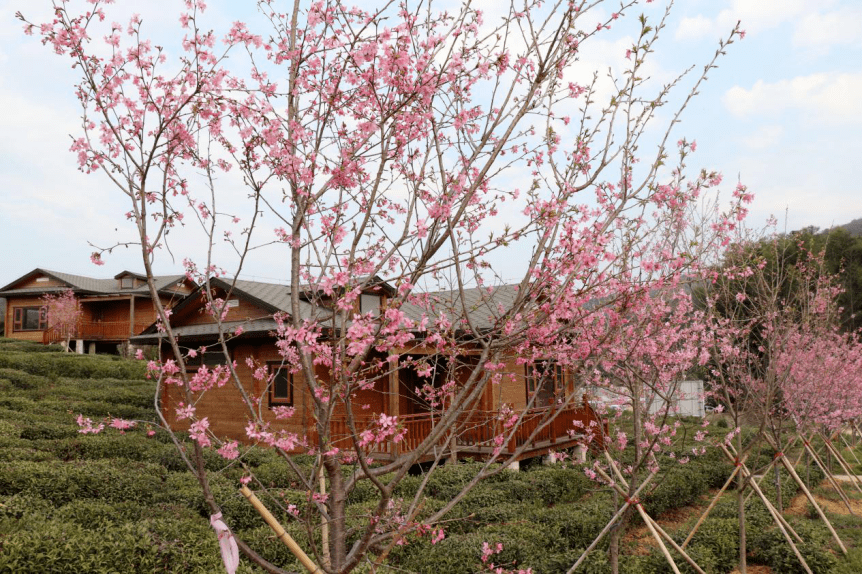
<point x="72" y="365"/>
<point x="768" y="546"/>
<point x="48" y="431"/>
<point x="58" y="547"/>
<point x="21" y="380"/>
<point x="680" y="486"/>
<point x="577" y="526"/>
<point x="558" y="485"/>
<point x="62" y="482"/>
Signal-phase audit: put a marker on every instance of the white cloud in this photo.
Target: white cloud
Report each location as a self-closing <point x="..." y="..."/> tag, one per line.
<point x="764" y="137"/>
<point x="696" y="27"/>
<point x="755" y="16"/>
<point x="828" y="97"/>
<point x="822" y="31"/>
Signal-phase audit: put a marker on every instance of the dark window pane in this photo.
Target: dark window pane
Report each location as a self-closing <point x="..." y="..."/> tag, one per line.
<point x="32" y="316"/>
<point x="281" y="386"/>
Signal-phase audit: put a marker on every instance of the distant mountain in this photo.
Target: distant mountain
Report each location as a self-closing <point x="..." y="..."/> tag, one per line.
<point x="854" y="228"/>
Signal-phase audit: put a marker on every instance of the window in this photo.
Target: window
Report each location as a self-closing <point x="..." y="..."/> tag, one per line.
<point x="545" y="380"/>
<point x="369" y="303"/>
<point x="30" y="319"/>
<point x="281" y="386"/>
<point x="210" y="358"/>
<point x="127" y="283"/>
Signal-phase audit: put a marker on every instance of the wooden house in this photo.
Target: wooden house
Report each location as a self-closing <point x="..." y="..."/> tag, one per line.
<point x="113" y="310"/>
<point x="251" y="306"/>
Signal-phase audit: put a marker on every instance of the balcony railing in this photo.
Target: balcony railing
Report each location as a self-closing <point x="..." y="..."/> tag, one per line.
<point x="480" y="432"/>
<point x="93" y="331"/>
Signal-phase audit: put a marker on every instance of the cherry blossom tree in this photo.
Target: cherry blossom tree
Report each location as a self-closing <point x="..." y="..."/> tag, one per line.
<point x="767" y="315"/>
<point x="391" y="142"/>
<point x="64" y="314"/>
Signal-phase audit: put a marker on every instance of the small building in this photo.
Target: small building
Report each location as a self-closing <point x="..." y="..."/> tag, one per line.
<point x="250" y="307"/>
<point x="113" y="309"/>
<point x="688" y="400"/>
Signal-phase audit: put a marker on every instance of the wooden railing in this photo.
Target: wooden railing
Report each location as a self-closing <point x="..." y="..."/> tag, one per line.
<point x="478" y="431"/>
<point x="93" y="331"/>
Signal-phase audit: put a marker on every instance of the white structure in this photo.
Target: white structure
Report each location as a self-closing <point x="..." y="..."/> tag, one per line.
<point x="688" y="400"/>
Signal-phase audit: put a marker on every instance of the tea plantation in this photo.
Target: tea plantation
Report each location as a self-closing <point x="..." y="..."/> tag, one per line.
<point x="123" y="502"/>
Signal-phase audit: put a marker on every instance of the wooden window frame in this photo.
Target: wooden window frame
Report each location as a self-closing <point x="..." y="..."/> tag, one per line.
<point x="18" y="319"/>
<point x="537" y="373"/>
<point x="375" y="309"/>
<point x="195" y="363"/>
<point x="280" y="370"/>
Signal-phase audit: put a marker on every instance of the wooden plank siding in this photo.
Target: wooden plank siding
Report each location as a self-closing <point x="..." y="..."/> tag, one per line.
<point x="14" y="302"/>
<point x="390" y="393"/>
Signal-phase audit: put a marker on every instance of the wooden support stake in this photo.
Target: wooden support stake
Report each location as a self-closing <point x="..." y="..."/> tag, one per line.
<point x="303" y="558"/>
<point x="609" y="525"/>
<point x="810" y="497"/>
<point x="842" y="462"/>
<point x="849" y="448"/>
<point x="829" y="476"/>
<point x="712" y="503"/>
<point x="779" y="520"/>
<point x="656" y="530"/>
<point x="790" y="468"/>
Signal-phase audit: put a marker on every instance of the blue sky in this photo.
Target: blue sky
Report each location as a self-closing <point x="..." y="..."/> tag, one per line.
<point x="782" y="113"/>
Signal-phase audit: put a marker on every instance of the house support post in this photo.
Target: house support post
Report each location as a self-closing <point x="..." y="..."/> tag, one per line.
<point x="132" y="316"/>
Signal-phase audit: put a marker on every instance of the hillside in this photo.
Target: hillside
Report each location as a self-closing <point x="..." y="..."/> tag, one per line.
<point x="854" y="228"/>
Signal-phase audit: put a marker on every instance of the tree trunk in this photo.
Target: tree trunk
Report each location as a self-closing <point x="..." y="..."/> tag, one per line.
<point x="337" y="525"/>
<point x="614" y="540"/>
<point x="740" y="508"/>
<point x="778" y="504"/>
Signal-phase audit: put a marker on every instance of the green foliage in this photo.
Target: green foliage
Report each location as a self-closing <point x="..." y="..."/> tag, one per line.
<point x="768" y="546"/>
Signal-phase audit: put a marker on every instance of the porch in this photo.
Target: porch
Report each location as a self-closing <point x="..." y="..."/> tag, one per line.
<point x="103" y="331"/>
<point x="541" y="430"/>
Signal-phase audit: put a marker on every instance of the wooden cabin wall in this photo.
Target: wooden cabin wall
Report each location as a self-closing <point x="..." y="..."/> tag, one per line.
<point x="11" y="304"/>
<point x="199" y="316"/>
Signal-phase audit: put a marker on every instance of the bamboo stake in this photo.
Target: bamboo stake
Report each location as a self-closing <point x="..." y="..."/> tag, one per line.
<point x="811" y="499"/>
<point x="761" y="479"/>
<point x="772" y="443"/>
<point x="842" y="462"/>
<point x="712" y="503"/>
<point x="273" y="523"/>
<point x="661" y="545"/>
<point x="649" y="519"/>
<point x="746" y="474"/>
<point x="790" y="468"/>
<point x="850" y="449"/>
<point x="324" y="524"/>
<point x="673" y="543"/>
<point x="609" y="525"/>
<point x="645" y="517"/>
<point x="779" y="520"/>
<point x="829" y="476"/>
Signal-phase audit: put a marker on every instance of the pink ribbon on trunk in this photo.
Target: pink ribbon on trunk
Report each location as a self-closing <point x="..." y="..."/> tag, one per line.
<point x="227" y="543"/>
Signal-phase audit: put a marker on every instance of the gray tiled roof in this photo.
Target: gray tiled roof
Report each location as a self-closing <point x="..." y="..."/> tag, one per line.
<point x="275" y="295"/>
<point x="89" y="285"/>
<point x="482" y="305"/>
<point x="208" y="330"/>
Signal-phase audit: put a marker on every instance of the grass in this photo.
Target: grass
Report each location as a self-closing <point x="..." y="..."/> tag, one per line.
<point x="125" y="503"/>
